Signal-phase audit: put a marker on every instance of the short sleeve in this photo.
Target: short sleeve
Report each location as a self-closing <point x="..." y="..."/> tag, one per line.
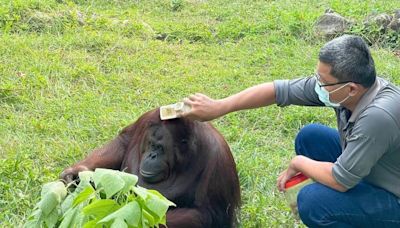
<point x="296" y="92"/>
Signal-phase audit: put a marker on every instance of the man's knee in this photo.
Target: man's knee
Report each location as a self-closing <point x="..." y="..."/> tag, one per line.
<point x="306" y="138"/>
<point x="309" y="131"/>
<point x="310" y="205"/>
<point x="318" y="142"/>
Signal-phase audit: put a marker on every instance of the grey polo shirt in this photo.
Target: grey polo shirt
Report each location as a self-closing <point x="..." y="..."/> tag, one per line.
<point x="370" y="136"/>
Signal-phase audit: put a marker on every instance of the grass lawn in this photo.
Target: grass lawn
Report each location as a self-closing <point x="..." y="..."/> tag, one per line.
<point x="75" y="72"/>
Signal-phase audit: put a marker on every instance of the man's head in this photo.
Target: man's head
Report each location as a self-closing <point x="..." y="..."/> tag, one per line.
<point x="349" y="59"/>
<point x="345" y="71"/>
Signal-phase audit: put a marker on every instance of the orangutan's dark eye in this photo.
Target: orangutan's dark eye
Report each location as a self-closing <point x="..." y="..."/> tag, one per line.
<point x="184" y="141"/>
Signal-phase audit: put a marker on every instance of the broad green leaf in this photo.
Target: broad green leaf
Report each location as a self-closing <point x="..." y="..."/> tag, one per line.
<point x="101" y="178"/>
<point x="34" y="220"/>
<point x="67" y="203"/>
<point x="60" y="190"/>
<point x="119" y="223"/>
<point x="48" y="203"/>
<point x="129" y="180"/>
<point x="57" y="186"/>
<point x="141" y="192"/>
<point x="101" y="208"/>
<point x="84" y="195"/>
<point x="111" y="184"/>
<point x="80" y="219"/>
<point x="46" y="188"/>
<point x="90" y="224"/>
<point x="148" y="219"/>
<point x="85" y="176"/>
<point x="32" y="224"/>
<point x="157" y="206"/>
<point x="52" y="218"/>
<point x="158" y="194"/>
<point x="52" y="194"/>
<point x="163" y="220"/>
<point x="135" y="212"/>
<point x="98" y="174"/>
<point x="68" y="220"/>
<point x="130" y="213"/>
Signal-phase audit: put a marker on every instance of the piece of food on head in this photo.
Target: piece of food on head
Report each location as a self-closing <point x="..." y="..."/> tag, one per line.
<point x="173" y="111"/>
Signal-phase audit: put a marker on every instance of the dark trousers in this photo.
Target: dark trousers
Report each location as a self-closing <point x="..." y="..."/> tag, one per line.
<point x="364" y="205"/>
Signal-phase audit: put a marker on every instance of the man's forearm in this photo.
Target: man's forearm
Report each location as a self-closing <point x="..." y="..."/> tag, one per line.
<point x="253" y="97"/>
<point x="318" y="171"/>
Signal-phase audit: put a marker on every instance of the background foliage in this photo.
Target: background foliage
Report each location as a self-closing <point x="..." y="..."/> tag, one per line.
<point x="75" y="72"/>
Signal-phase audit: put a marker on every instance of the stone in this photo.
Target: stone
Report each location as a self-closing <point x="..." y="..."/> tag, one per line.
<point x="397" y="14"/>
<point x="382" y="20"/>
<point x="331" y="24"/>
<point x="394" y="24"/>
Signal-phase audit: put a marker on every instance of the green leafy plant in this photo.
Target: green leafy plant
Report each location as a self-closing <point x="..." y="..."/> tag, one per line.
<point x="103" y="198"/>
<point x="377" y="35"/>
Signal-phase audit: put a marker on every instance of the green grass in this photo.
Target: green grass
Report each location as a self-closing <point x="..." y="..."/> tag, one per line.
<point x="74" y="72"/>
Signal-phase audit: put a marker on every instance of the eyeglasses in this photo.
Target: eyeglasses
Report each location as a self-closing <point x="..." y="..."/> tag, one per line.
<point x="317" y="76"/>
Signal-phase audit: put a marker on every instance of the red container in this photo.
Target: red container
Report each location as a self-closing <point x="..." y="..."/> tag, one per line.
<point x="292" y="188"/>
<point x="298" y="178"/>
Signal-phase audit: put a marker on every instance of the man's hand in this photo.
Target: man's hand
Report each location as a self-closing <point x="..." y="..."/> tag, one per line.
<point x="285" y="176"/>
<point x="319" y="171"/>
<point x="203" y="108"/>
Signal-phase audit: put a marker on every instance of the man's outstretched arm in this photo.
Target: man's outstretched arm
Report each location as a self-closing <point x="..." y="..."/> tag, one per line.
<point x="205" y="108"/>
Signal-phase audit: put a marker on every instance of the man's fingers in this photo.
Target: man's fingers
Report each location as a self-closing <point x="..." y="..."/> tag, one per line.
<point x="281" y="180"/>
<point x="188" y="114"/>
<point x="282" y="184"/>
<point x="278" y="181"/>
<point x="200" y="95"/>
<point x="187" y="101"/>
<point x="193" y="98"/>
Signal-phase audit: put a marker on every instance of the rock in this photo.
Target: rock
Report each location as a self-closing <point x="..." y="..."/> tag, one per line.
<point x="331" y="24"/>
<point x="382" y="20"/>
<point x="395" y="24"/>
<point x="397" y="14"/>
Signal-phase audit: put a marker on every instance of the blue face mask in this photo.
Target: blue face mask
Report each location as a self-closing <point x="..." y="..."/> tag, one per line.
<point x="323" y="95"/>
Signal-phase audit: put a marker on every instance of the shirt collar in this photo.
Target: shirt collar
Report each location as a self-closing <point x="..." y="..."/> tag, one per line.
<point x="366" y="99"/>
